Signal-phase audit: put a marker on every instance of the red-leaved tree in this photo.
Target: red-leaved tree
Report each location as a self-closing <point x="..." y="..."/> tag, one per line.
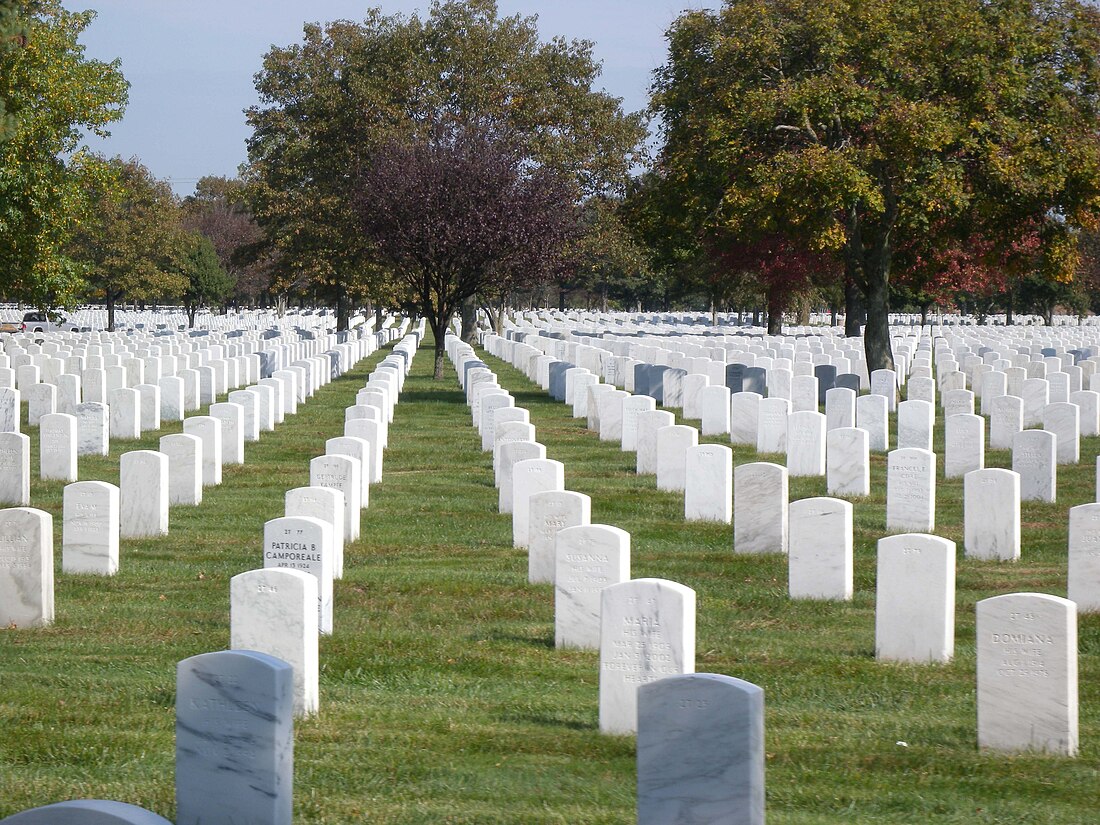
<point x="456" y="213"/>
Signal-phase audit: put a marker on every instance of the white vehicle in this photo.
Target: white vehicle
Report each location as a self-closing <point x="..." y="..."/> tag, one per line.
<point x="39" y="321"/>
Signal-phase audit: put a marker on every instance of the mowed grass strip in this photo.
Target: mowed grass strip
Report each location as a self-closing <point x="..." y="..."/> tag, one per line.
<point x="442" y="697"/>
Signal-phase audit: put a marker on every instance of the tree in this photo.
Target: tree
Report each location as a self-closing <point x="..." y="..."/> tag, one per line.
<point x="207" y="281"/>
<point x="13" y="36"/>
<point x="133" y="245"/>
<point x="51" y="94"/>
<point x="329" y="103"/>
<point x="218" y="211"/>
<point x="857" y="126"/>
<point x="454" y="214"/>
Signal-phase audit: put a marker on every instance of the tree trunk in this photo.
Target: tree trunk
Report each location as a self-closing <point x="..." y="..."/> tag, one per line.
<point x="468" y="318"/>
<point x="853" y="309"/>
<point x="439" y="332"/>
<point x="713" y="313"/>
<point x="923" y="315"/>
<point x="756" y="316"/>
<point x="280" y="304"/>
<point x="110" y="311"/>
<point x="343" y="310"/>
<point x="876" y="335"/>
<point x="775" y="313"/>
<point x="191" y="309"/>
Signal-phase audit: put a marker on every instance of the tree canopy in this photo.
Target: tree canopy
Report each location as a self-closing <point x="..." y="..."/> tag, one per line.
<point x="134" y="246"/>
<point x="861" y="128"/>
<point x="52" y="94"/>
<point x="459" y="212"/>
<point x="329" y="103"/>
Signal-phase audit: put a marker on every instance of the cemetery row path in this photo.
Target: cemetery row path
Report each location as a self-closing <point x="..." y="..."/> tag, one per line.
<point x="442" y="696"/>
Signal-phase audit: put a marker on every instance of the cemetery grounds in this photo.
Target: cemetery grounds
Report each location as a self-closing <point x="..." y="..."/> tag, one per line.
<point x="442" y="696"/>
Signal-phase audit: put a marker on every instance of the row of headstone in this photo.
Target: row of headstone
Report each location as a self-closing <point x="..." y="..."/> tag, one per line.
<point x="644" y="629"/>
<point x="992" y="501"/>
<point x="281" y="608"/>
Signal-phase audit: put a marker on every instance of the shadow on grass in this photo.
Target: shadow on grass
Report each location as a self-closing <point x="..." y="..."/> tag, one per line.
<point x="534" y="639"/>
<point x="546" y="721"/>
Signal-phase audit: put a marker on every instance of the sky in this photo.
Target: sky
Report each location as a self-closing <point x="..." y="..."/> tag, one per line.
<point x="190" y="63"/>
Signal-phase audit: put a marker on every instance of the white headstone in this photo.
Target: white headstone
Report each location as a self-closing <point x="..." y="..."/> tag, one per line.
<point x="911" y="491"/>
<point x="708" y="493"/>
<point x="1083" y="571"/>
<point x="760" y="507"/>
<point x="303" y="543"/>
<point x="991" y="514"/>
<point x="1027" y="674"/>
<point x="806" y="444"/>
<point x="273" y="610"/>
<point x="326" y="504"/>
<point x="184" y="453"/>
<point x="1034" y="458"/>
<point x="847" y="462"/>
<point x="92" y="428"/>
<point x="143" y="494"/>
<point x="647" y="632"/>
<point x="26" y="568"/>
<point x="530" y="476"/>
<point x="57" y="447"/>
<point x="819" y="562"/>
<point x="15" y="469"/>
<point x="89" y="542"/>
<point x="548" y="513"/>
<point x="915" y="599"/>
<point x="587" y="558"/>
<point x="340" y="472"/>
<point x="964" y="444"/>
<point x="673" y="443"/>
<point x="1063" y="419"/>
<point x="209" y="431"/>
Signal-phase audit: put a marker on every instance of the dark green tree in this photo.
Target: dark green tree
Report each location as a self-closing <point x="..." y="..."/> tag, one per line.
<point x="858" y="126"/>
<point x="207" y="281"/>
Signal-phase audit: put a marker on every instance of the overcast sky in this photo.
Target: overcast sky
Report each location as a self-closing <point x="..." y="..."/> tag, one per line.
<point x="190" y="63"/>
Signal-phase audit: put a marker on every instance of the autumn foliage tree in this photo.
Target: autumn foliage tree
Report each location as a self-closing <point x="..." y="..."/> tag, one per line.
<point x="459" y="212"/>
<point x="854" y="127"/>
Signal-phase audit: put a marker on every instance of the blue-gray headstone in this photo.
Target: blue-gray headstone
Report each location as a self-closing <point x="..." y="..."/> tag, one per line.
<point x="234" y="739"/>
<point x="826" y="380"/>
<point x="333" y="364"/>
<point x="1046" y="352"/>
<point x="848" y="381"/>
<point x="86" y="812"/>
<point x="657" y="382"/>
<point x="269" y="362"/>
<point x="469" y="365"/>
<point x="735" y="374"/>
<point x="700" y="751"/>
<point x="641" y="379"/>
<point x="755" y="379"/>
<point x="557" y="379"/>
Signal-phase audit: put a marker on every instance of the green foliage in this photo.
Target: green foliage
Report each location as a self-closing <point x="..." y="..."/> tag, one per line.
<point x="13" y="34"/>
<point x="52" y="93"/>
<point x="207" y="281"/>
<point x="133" y="243"/>
<point x="608" y="263"/>
<point x="217" y="210"/>
<point x="856" y="127"/>
<point x="330" y="101"/>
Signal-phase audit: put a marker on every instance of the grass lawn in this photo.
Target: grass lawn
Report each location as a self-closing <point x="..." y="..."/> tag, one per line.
<point x="442" y="696"/>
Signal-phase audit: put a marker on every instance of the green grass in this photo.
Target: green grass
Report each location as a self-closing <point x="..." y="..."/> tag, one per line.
<point x="442" y="696"/>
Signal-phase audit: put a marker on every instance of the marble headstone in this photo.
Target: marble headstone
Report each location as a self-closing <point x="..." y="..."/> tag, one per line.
<point x="647" y="632"/>
<point x="700" y="751"/>
<point x="588" y="558"/>
<point x="273" y="610"/>
<point x="89" y="542"/>
<point x="1027" y="674"/>
<point x="26" y="567"/>
<point x="915" y="599"/>
<point x="234" y="739"/>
